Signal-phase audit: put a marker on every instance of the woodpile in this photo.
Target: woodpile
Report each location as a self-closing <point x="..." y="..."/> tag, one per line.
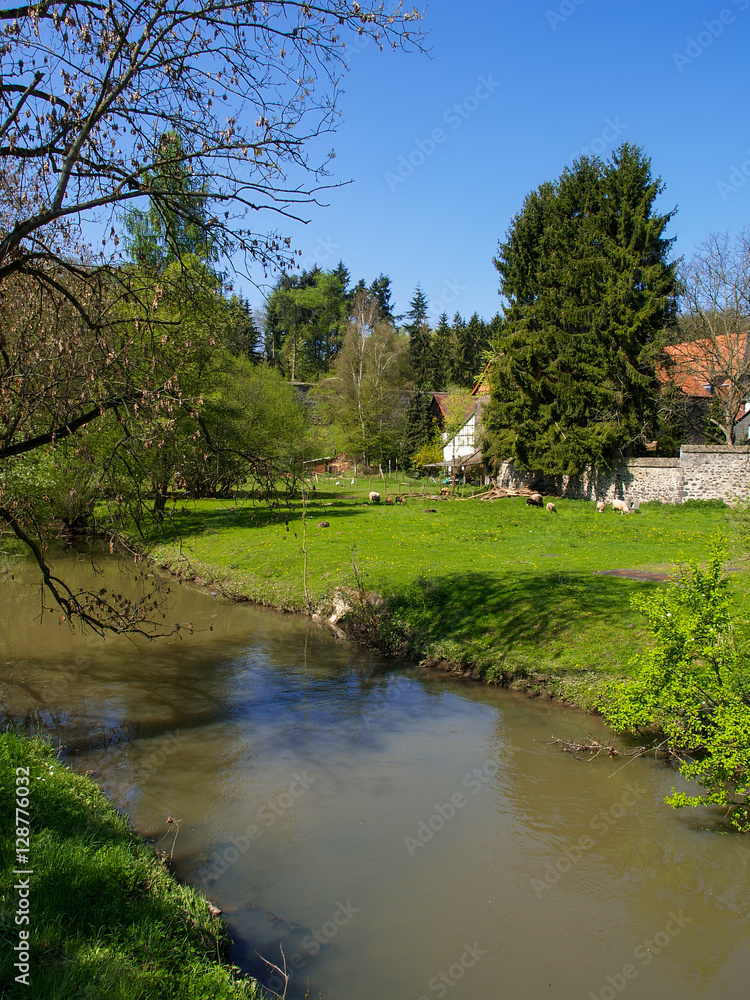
<point x="501" y="492"/>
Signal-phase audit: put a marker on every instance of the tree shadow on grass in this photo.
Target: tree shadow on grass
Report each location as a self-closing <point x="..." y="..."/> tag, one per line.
<point x="516" y="609"/>
<point x="184" y="522"/>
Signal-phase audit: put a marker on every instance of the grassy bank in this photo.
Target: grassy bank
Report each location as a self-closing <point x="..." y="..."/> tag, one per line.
<point x="105" y="917"/>
<point x="513" y="593"/>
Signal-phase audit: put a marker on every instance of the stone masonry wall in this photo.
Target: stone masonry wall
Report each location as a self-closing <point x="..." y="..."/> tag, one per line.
<point x="702" y="472"/>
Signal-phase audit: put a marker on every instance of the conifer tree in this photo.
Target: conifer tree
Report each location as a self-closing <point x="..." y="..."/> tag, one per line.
<point x="471" y="341"/>
<point x="420" y="343"/>
<point x="588" y="283"/>
<point x="380" y="290"/>
<point x="442" y="355"/>
<point x="457" y="331"/>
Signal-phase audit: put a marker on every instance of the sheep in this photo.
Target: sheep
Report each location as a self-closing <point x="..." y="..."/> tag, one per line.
<point x="374" y="497"/>
<point x="601" y="506"/>
<point x="551" y="508"/>
<point x="323" y="524"/>
<point x="535" y="500"/>
<point x="622" y="505"/>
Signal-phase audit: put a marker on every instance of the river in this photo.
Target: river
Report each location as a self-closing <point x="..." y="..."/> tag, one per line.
<point x="395" y="833"/>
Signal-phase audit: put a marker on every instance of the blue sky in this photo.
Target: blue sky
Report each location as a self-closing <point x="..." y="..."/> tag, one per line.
<point x="508" y="94"/>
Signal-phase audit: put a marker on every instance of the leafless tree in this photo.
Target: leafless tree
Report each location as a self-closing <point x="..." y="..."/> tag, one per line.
<point x="362" y="393"/>
<point x="87" y="92"/>
<point x="710" y="358"/>
<point x="88" y="88"/>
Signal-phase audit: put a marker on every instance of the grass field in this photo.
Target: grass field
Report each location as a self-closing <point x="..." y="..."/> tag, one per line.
<point x="511" y="591"/>
<point x="106" y="920"/>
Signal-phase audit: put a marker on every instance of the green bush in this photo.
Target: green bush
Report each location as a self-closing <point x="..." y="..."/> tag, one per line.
<point x="692" y="688"/>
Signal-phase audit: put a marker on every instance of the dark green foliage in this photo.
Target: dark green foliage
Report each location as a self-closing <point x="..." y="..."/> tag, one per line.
<point x="471" y="342"/>
<point x="442" y="355"/>
<point x="420" y="423"/>
<point x="341" y="271"/>
<point x="380" y="289"/>
<point x="588" y="284"/>
<point x="420" y="344"/>
<point x="305" y="319"/>
<point x="240" y="334"/>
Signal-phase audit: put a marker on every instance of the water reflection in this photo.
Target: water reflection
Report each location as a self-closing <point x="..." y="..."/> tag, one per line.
<point x="395" y="833"/>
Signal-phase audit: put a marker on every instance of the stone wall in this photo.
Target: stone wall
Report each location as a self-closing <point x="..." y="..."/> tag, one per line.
<point x="702" y="472"/>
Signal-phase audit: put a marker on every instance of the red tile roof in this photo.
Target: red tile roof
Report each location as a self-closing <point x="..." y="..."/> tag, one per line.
<point x="701" y="366"/>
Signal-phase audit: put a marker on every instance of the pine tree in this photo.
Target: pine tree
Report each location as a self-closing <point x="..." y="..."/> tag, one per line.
<point x="380" y="289"/>
<point x="457" y="332"/>
<point x="420" y="344"/>
<point x="471" y="342"/>
<point x="421" y="426"/>
<point x="442" y="355"/>
<point x="586" y="275"/>
<point x="341" y="271"/>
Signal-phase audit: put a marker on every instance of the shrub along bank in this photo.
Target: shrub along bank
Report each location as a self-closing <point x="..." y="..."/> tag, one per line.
<point x="101" y="917"/>
<point x="510" y="593"/>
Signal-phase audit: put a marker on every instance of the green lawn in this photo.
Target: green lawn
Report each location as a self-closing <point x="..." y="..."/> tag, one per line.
<point x="509" y="590"/>
<point x="107" y="921"/>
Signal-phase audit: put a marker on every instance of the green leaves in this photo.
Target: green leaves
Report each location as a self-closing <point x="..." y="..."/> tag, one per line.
<point x="588" y="286"/>
<point x="692" y="688"/>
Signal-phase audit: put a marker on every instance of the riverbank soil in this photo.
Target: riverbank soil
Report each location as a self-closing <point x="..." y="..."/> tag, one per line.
<point x="502" y="591"/>
<point x="101" y="916"/>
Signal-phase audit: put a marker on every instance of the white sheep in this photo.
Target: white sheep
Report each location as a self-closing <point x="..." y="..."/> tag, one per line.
<point x="551" y="508"/>
<point x="622" y="505"/>
<point x="601" y="506"/>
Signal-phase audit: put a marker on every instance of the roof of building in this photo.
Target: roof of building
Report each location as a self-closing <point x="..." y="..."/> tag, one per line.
<point x="699" y="367"/>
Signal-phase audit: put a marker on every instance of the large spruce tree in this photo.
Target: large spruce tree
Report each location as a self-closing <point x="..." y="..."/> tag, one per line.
<point x="586" y="275"/>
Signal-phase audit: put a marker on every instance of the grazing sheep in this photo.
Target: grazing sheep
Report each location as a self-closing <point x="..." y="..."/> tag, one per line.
<point x="622" y="505"/>
<point x="430" y="510"/>
<point x="601" y="506"/>
<point x="388" y="501"/>
<point x="399" y="500"/>
<point x="535" y="500"/>
<point x="374" y="497"/>
<point x="323" y="524"/>
<point x="551" y="508"/>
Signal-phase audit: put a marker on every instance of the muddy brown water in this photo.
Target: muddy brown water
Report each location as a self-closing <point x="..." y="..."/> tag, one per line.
<point x="392" y="832"/>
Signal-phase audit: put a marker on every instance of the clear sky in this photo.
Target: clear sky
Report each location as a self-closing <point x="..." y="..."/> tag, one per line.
<point x="442" y="148"/>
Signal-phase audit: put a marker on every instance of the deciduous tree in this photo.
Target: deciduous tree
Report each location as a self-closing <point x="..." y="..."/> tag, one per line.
<point x="242" y="92"/>
<point x="709" y="348"/>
